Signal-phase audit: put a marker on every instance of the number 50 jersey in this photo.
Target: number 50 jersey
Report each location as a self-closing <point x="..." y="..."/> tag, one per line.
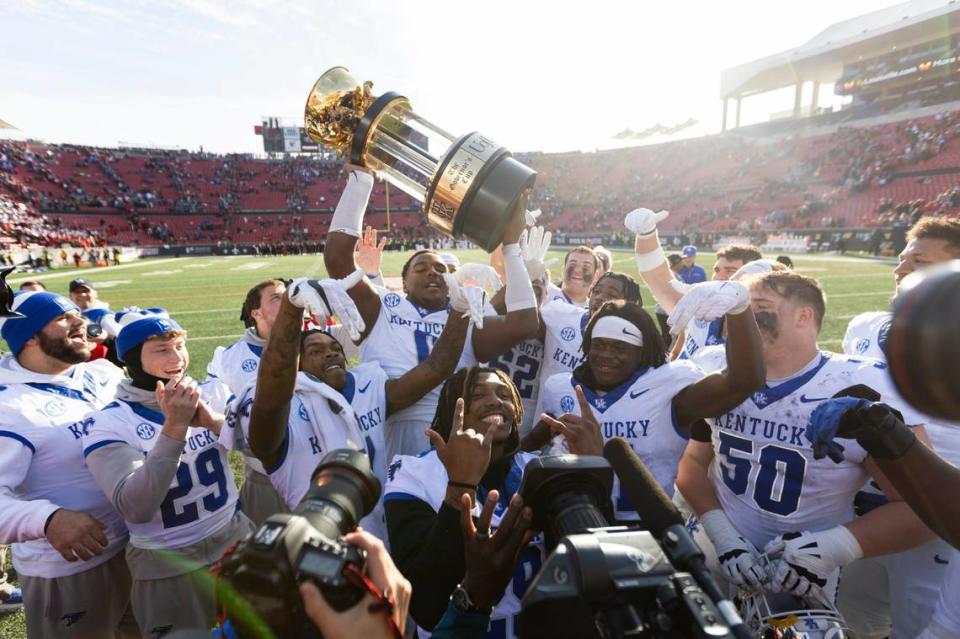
<point x="764" y="472"/>
<point x="203" y="495"/>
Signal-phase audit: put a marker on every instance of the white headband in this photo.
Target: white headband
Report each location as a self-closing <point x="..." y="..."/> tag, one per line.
<point x="612" y="327"/>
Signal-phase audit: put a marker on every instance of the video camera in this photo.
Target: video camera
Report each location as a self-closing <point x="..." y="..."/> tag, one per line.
<point x="612" y="581"/>
<point x="262" y="575"/>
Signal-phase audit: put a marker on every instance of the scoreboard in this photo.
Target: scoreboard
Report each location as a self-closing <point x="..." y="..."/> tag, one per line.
<point x="280" y="137"/>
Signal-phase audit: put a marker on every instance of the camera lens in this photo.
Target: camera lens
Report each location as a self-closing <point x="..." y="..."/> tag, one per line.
<point x="94" y="330"/>
<point x="343" y="491"/>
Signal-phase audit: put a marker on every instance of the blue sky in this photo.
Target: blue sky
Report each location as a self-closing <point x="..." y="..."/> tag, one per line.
<point x="532" y="75"/>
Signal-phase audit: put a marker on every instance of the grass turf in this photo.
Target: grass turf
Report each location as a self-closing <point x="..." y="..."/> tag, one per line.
<point x="204" y="295"/>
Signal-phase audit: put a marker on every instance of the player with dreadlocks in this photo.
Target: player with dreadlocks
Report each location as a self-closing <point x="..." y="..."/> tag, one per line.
<point x="627" y="388"/>
<point x="476" y="450"/>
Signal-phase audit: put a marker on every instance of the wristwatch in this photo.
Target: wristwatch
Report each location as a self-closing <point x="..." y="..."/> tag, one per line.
<point x="462" y="601"/>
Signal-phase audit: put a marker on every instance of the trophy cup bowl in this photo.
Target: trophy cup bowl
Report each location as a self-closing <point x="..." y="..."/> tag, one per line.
<point x="469" y="186"/>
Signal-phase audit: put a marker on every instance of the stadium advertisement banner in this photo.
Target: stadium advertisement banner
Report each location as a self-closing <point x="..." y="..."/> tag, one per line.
<point x="939" y="64"/>
<point x="291" y="139"/>
<point x="577" y="240"/>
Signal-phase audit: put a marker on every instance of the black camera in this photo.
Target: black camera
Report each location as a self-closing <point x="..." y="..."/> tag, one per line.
<point x="94" y="330"/>
<point x="261" y="577"/>
<point x="602" y="581"/>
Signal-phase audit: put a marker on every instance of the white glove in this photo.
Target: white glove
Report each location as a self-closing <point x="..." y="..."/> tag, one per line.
<point x="482" y="275"/>
<point x="708" y="301"/>
<point x="644" y="221"/>
<point x="808" y="560"/>
<point x="531" y="216"/>
<point x="326" y="298"/>
<point x="534" y="244"/>
<point x="739" y="559"/>
<point x="467" y="300"/>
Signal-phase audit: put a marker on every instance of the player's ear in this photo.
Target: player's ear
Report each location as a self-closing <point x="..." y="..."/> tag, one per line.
<point x="805" y="316"/>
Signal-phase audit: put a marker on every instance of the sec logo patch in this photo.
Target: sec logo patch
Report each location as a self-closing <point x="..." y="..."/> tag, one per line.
<point x="55" y="408"/>
<point x="567" y="403"/>
<point x="568" y="333"/>
<point x="145" y="430"/>
<point x="249" y="365"/>
<point x="391" y="300"/>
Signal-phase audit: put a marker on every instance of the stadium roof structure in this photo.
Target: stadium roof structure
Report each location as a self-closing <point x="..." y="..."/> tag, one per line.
<point x="821" y="60"/>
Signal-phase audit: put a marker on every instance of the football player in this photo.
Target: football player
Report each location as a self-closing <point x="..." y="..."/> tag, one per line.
<point x="626" y="387"/>
<point x="279" y="415"/>
<point x="760" y="472"/>
<point x="67" y="538"/>
<point x="235" y="368"/>
<point x="475" y="450"/>
<point x="402" y="328"/>
<point x="155" y="455"/>
<point x="895" y="595"/>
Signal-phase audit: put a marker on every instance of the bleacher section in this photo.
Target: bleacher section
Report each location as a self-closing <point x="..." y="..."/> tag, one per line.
<point x="853" y="176"/>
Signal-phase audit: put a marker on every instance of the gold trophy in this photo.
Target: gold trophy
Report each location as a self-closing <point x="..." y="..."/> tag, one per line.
<point x="469" y="186"/>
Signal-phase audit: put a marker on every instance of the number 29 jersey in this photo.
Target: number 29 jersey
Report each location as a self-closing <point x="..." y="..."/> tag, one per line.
<point x="203" y="495"/>
<point x="764" y="472"/>
<point x="404" y="336"/>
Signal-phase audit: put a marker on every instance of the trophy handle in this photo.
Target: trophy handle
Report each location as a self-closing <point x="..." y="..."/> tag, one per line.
<point x="6" y="295"/>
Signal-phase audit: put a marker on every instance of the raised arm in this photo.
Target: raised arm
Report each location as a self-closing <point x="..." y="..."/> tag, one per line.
<point x="414" y="384"/>
<point x="651" y="261"/>
<point x="720" y="392"/>
<point x="275" y="382"/>
<point x="345" y="232"/>
<point x="502" y="332"/>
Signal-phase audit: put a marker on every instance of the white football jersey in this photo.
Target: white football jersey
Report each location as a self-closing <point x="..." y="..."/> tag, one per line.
<point x="554" y="292"/>
<point x="424" y="478"/>
<point x="948" y="608"/>
<point x="699" y="334"/>
<point x="43" y="421"/>
<point x="641" y="411"/>
<point x="401" y="338"/>
<point x="865" y="337"/>
<point x="522" y="364"/>
<point x="563" y="340"/>
<point x="203" y="496"/>
<point x="764" y="472"/>
<point x="320" y="420"/>
<point x="239" y="362"/>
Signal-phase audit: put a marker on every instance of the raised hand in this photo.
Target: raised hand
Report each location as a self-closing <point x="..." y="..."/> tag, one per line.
<point x="582" y="432"/>
<point x="467" y="300"/>
<point x="491" y="557"/>
<point x="369" y="256"/>
<point x="327" y="298"/>
<point x="534" y="245"/>
<point x="708" y="301"/>
<point x="466" y="453"/>
<point x="644" y="221"/>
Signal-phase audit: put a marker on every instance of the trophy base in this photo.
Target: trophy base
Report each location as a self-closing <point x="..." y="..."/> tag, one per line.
<point x="485" y="213"/>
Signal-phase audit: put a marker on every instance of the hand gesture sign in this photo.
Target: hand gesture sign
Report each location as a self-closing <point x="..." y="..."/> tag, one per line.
<point x="491" y="558"/>
<point x="178" y="400"/>
<point x="369" y="253"/>
<point x="466" y="453"/>
<point x="582" y="432"/>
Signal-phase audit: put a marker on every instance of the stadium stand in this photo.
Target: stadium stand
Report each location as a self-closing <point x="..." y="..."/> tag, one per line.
<point x="859" y="175"/>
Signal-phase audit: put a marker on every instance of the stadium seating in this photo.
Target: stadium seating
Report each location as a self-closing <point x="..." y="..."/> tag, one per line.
<point x="847" y="177"/>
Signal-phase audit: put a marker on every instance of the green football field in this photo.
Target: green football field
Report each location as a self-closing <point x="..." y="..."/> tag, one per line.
<point x="204" y="295"/>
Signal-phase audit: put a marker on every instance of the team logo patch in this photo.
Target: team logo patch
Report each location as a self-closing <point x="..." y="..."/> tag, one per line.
<point x="861" y="346"/>
<point x="567" y="403"/>
<point x="391" y="300"/>
<point x="54" y="408"/>
<point x="760" y="399"/>
<point x="145" y="430"/>
<point x="302" y="412"/>
<point x="568" y="333"/>
<point x="249" y="365"/>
